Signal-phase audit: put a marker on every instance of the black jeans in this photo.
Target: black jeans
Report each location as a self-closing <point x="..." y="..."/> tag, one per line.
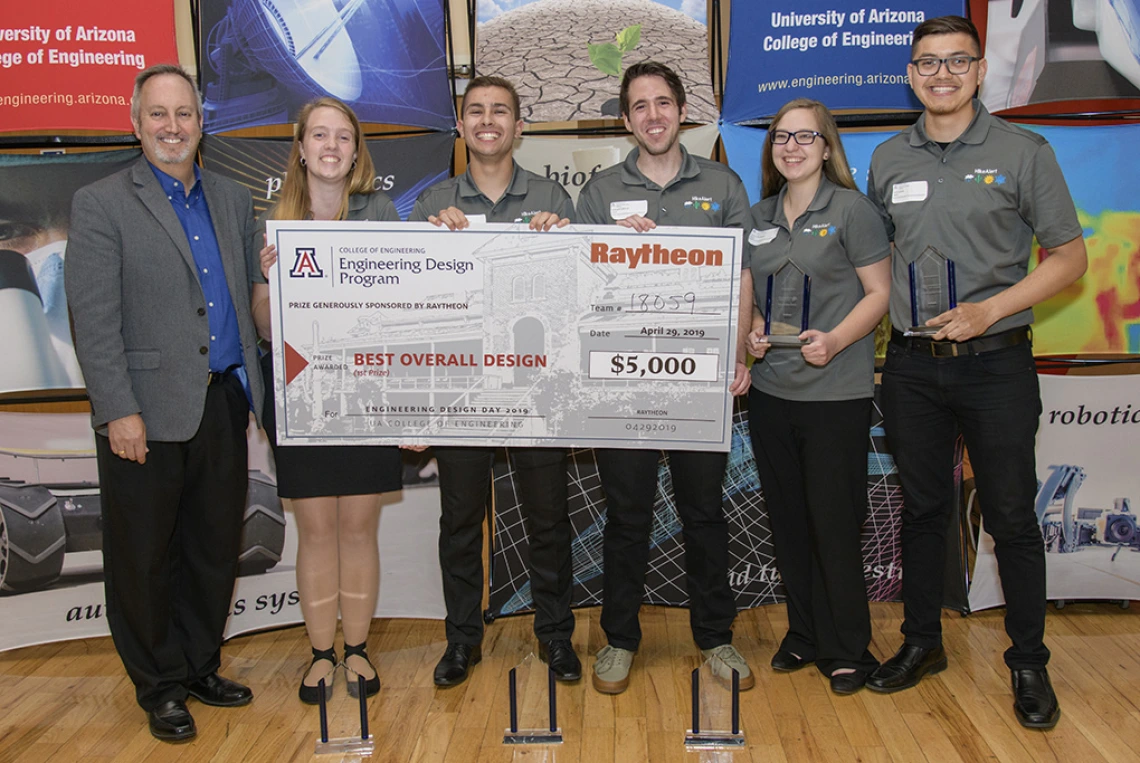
<point x="812" y="461"/>
<point x="171" y="539"/>
<point x="994" y="400"/>
<point x="629" y="480"/>
<point x="464" y="489"/>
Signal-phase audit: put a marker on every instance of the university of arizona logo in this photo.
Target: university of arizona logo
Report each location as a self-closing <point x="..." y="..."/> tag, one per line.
<point x="305" y="265"/>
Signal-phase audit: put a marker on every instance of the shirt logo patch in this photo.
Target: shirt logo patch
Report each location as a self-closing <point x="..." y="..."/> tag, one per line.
<point x="305" y="264"/>
<point x="703" y="203"/>
<point x="985" y="177"/>
<point x="526" y="217"/>
<point x="822" y="230"/>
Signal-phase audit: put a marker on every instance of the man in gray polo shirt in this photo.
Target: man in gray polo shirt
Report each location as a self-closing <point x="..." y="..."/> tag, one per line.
<point x="496" y="190"/>
<point x="660" y="183"/>
<point x="977" y="190"/>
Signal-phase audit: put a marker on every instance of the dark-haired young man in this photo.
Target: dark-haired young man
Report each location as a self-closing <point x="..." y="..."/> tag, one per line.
<point x="499" y="191"/>
<point x="978" y="190"/>
<point x="651" y="188"/>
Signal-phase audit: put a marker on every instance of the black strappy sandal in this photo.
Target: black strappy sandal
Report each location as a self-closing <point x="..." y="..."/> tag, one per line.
<point x="311" y="695"/>
<point x="371" y="685"/>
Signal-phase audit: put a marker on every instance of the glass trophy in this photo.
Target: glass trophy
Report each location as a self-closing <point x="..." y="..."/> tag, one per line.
<point x="716" y="708"/>
<point x="361" y="744"/>
<point x="932" y="290"/>
<point x="786" y="306"/>
<point x="533" y="704"/>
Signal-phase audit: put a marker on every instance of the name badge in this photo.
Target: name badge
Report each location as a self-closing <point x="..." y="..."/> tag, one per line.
<point x="761" y="237"/>
<point x="917" y="190"/>
<point x="619" y="210"/>
<point x="477" y="219"/>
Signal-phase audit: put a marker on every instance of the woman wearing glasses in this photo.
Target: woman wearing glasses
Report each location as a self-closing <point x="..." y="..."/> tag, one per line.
<point x="335" y="490"/>
<point x="826" y="250"/>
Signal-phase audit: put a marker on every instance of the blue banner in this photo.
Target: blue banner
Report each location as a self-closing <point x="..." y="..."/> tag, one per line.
<point x="851" y="57"/>
<point x="261" y="61"/>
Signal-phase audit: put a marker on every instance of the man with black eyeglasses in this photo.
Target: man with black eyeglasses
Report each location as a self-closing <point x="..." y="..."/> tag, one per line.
<point x="977" y="190"/>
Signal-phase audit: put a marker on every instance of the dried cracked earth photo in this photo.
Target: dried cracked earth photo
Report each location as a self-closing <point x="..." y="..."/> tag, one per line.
<point x="543" y="47"/>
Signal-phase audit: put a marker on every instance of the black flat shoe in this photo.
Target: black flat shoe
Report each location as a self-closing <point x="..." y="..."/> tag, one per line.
<point x="455" y="663"/>
<point x="784" y="661"/>
<point x="219" y="692"/>
<point x="371" y="685"/>
<point x="1034" y="702"/>
<point x="171" y="722"/>
<point x="311" y="695"/>
<point x="559" y="654"/>
<point x="907" y="668"/>
<point x="848" y="683"/>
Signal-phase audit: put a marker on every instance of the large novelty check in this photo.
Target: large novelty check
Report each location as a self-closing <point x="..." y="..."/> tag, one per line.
<point x="588" y="336"/>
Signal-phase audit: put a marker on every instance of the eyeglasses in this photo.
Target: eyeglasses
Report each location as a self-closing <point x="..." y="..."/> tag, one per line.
<point x="803" y="137"/>
<point x="928" y="67"/>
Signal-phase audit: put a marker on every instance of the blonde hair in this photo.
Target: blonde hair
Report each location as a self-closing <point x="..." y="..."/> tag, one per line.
<point x="295" y="203"/>
<point x="835" y="167"/>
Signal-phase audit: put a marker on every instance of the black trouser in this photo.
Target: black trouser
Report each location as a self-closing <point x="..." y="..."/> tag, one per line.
<point x="812" y="461"/>
<point x="994" y="400"/>
<point x="171" y="538"/>
<point x="464" y="489"/>
<point x="629" y="479"/>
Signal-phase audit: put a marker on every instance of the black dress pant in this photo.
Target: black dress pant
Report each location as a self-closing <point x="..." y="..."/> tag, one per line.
<point x="629" y="480"/>
<point x="171" y="538"/>
<point x="465" y="489"/>
<point x="812" y="461"/>
<point x="994" y="400"/>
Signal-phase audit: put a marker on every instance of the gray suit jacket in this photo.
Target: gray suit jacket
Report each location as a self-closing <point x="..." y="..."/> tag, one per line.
<point x="141" y="331"/>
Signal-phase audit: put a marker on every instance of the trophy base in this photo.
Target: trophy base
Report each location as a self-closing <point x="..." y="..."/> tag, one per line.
<point x="346" y="746"/>
<point x="713" y="740"/>
<point x="922" y="331"/>
<point x="785" y="340"/>
<point x="533" y="736"/>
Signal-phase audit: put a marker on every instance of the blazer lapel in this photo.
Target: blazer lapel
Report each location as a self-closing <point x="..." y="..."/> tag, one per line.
<point x="152" y="197"/>
<point x="224" y="230"/>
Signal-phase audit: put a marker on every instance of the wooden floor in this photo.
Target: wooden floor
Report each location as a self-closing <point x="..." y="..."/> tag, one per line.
<point x="71" y="701"/>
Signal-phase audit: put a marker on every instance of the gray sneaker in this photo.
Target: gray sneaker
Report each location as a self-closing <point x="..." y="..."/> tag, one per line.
<point x="726" y="659"/>
<point x="611" y="670"/>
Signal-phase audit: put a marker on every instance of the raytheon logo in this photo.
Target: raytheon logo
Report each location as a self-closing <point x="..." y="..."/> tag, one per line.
<point x="654" y="255"/>
<point x="305" y="264"/>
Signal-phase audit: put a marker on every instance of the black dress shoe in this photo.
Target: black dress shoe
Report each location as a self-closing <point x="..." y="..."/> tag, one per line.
<point x="559" y="654"/>
<point x="172" y="722"/>
<point x="456" y="661"/>
<point x="907" y="668"/>
<point x="786" y="662"/>
<point x="219" y="692"/>
<point x="371" y="685"/>
<point x="848" y="683"/>
<point x="1034" y="702"/>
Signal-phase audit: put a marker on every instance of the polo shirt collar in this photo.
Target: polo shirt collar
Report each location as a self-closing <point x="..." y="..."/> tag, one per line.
<point x="517" y="186"/>
<point x="819" y="202"/>
<point x="974" y="134"/>
<point x="632" y="175"/>
<point x="357" y="202"/>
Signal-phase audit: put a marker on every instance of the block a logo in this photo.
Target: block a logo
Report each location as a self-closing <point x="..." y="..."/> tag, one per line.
<point x="305" y="264"/>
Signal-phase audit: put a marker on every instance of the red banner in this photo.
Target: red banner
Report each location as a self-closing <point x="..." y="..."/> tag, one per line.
<point x="69" y="65"/>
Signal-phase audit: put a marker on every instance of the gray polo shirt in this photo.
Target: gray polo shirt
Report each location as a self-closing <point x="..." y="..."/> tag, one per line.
<point x="703" y="194"/>
<point x="979" y="202"/>
<point x="527" y="195"/>
<point x="375" y="207"/>
<point x="840" y="231"/>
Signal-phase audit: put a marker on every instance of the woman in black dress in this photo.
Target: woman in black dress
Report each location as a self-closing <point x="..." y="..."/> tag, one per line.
<point x="334" y="490"/>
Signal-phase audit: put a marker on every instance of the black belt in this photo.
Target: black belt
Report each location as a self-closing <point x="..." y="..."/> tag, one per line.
<point x="217" y="377"/>
<point x="949" y="349"/>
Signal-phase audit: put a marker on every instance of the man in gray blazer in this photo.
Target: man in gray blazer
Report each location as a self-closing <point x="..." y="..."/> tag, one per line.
<point x="158" y="281"/>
